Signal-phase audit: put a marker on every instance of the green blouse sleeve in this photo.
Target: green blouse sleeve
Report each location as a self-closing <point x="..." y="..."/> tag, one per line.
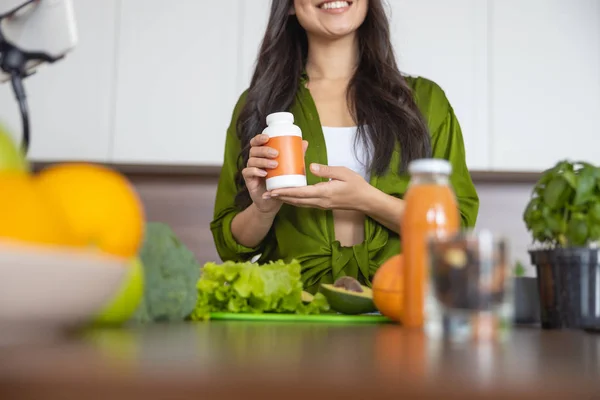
<point x="447" y="142"/>
<point x="225" y="209"/>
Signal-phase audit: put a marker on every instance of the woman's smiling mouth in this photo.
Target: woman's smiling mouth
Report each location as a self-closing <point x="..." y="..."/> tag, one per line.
<point x="335" y="7"/>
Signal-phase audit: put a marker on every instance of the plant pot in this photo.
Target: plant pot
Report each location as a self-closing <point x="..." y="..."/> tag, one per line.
<point x="527" y="300"/>
<point x="569" y="287"/>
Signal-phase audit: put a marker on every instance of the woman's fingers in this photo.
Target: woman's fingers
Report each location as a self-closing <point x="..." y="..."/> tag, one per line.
<point x="303" y="202"/>
<point x="259" y="140"/>
<point x="263" y="152"/>
<point x="258" y="148"/>
<point x="253" y="172"/>
<point x="261" y="156"/>
<point x="263" y="163"/>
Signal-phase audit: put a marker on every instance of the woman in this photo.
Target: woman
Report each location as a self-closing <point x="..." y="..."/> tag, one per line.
<point x="332" y="65"/>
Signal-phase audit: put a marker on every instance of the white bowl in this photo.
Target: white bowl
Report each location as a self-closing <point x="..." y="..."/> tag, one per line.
<point x="43" y="287"/>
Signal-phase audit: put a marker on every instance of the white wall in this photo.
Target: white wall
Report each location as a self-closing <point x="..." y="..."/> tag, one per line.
<point x="155" y="82"/>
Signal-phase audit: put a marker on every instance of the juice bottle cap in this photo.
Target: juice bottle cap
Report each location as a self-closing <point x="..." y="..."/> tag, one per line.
<point x="279" y="117"/>
<point x="430" y="166"/>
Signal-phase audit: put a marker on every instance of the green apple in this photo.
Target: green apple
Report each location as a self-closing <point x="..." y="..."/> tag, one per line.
<point x="124" y="304"/>
<point x="12" y="158"/>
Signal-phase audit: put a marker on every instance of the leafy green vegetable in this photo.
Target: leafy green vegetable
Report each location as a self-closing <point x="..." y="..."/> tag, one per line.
<point x="170" y="274"/>
<point x="251" y="288"/>
<point x="564" y="209"/>
<point x="519" y="269"/>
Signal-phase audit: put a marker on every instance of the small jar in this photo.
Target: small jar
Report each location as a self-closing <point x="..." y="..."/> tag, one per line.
<point x="286" y="138"/>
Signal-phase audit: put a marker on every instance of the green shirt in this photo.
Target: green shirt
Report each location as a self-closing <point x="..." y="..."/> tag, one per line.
<point x="307" y="234"/>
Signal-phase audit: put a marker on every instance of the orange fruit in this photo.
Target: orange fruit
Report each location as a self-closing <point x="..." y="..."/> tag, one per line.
<point x="101" y="206"/>
<point x="26" y="215"/>
<point x="388" y="288"/>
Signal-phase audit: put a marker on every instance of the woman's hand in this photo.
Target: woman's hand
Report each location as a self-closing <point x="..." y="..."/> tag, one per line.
<point x="346" y="190"/>
<point x="261" y="159"/>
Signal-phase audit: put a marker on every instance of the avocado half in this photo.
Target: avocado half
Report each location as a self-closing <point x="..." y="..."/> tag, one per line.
<point x="350" y="302"/>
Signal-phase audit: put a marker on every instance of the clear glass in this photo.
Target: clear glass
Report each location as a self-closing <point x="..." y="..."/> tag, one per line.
<point x="470" y="294"/>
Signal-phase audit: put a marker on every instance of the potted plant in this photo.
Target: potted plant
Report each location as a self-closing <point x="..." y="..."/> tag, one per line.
<point x="563" y="217"/>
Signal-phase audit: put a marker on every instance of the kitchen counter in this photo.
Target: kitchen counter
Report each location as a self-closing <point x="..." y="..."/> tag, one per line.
<point x="235" y="360"/>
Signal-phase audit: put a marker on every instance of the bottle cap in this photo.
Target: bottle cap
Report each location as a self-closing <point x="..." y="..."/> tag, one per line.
<point x="430" y="166"/>
<point x="280" y="117"/>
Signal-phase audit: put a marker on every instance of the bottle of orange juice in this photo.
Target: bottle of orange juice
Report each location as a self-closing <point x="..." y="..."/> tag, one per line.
<point x="430" y="209"/>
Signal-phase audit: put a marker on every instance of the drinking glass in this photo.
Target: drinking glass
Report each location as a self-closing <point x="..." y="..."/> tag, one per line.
<point x="470" y="295"/>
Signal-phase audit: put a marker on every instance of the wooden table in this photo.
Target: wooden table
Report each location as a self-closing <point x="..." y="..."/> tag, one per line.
<point x="241" y="360"/>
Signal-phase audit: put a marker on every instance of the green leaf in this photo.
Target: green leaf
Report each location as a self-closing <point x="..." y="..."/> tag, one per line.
<point x="571" y="179"/>
<point x="577" y="232"/>
<point x="532" y="206"/>
<point x="539" y="230"/>
<point x="556" y="193"/>
<point x="556" y="223"/>
<point x="585" y="187"/>
<point x="546" y="177"/>
<point x="595" y="211"/>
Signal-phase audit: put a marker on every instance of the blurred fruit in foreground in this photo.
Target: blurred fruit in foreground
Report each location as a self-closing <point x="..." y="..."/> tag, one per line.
<point x="101" y="206"/>
<point x="12" y="158"/>
<point x="26" y="215"/>
<point x="388" y="288"/>
<point x="127" y="299"/>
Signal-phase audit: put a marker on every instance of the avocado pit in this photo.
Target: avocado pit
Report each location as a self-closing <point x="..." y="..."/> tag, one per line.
<point x="348" y="283"/>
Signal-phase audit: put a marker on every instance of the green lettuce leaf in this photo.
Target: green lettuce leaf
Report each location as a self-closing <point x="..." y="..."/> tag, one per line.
<point x="248" y="287"/>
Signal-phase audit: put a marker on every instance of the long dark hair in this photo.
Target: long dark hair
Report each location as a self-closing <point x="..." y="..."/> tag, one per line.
<point x="378" y="95"/>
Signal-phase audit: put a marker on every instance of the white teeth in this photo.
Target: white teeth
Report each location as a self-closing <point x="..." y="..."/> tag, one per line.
<point x="335" y="4"/>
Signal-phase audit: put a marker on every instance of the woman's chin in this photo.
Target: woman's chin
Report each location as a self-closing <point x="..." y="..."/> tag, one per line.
<point x="336" y="32"/>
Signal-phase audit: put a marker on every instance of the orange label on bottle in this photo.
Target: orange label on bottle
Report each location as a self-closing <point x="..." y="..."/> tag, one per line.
<point x="291" y="157"/>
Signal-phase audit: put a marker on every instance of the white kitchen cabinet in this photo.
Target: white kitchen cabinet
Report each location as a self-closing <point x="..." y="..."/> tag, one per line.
<point x="71" y="101"/>
<point x="177" y="80"/>
<point x="446" y="42"/>
<point x="544" y="82"/>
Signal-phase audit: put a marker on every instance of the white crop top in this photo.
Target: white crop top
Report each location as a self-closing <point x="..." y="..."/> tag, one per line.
<point x="342" y="151"/>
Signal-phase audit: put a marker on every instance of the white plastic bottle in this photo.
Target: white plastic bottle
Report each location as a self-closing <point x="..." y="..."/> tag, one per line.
<point x="286" y="138"/>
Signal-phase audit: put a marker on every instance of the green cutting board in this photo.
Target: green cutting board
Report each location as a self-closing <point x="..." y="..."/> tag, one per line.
<point x="325" y="318"/>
